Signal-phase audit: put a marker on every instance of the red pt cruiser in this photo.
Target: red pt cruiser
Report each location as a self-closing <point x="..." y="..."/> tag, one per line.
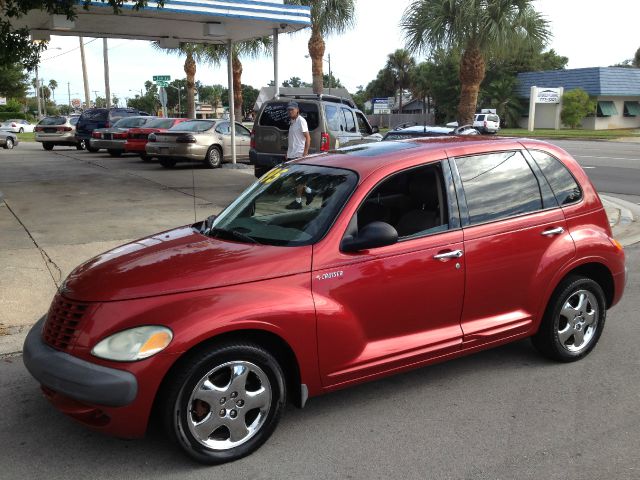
<point x="329" y="271"/>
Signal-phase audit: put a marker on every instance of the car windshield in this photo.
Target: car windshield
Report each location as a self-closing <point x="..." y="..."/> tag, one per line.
<point x="53" y="121"/>
<point x="193" y="126"/>
<point x="291" y="205"/>
<point x="160" y="123"/>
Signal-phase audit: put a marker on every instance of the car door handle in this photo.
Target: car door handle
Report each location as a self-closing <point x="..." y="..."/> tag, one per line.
<point x="446" y="255"/>
<point x="553" y="231"/>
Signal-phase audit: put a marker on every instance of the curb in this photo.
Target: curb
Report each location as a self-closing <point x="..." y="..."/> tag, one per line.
<point x="624" y="218"/>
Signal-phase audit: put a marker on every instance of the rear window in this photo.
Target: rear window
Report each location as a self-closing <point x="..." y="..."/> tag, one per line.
<point x="480" y="118"/>
<point x="122" y="113"/>
<point x="193" y="126"/>
<point x="493" y="118"/>
<point x="130" y="122"/>
<point x="53" y="121"/>
<point x="275" y="114"/>
<point x="95" y="114"/>
<point x="160" y="123"/>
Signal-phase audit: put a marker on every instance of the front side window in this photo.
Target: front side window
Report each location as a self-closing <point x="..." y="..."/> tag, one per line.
<point x="498" y="185"/>
<point x="163" y="123"/>
<point x="291" y="205"/>
<point x="242" y="131"/>
<point x="564" y="186"/>
<point x="413" y="202"/>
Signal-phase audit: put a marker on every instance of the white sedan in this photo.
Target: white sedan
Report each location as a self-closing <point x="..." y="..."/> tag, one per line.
<point x="16" y="126"/>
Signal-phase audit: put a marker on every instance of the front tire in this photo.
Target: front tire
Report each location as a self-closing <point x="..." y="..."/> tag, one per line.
<point x="167" y="162"/>
<point x="573" y="321"/>
<point x="21" y="130"/>
<point x="114" y="153"/>
<point x="214" y="157"/>
<point x="8" y="144"/>
<point x="223" y="404"/>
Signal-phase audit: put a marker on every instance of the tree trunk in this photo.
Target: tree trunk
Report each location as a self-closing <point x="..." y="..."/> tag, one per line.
<point x="316" y="52"/>
<point x="237" y="87"/>
<point x="472" y="70"/>
<point x="190" y="71"/>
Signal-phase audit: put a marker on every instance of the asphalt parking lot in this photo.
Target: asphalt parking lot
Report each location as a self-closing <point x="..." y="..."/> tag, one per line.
<point x="501" y="414"/>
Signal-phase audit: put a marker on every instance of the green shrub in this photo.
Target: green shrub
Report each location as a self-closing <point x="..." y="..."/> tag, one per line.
<point x="576" y="105"/>
<point x="11" y="115"/>
<point x="11" y="106"/>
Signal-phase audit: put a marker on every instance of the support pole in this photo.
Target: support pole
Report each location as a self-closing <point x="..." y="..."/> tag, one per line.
<point x="232" y="106"/>
<point x="38" y="94"/>
<point x="558" y="120"/>
<point x="105" y="56"/>
<point x="330" y="74"/>
<point x="276" y="80"/>
<point x="69" y="94"/>
<point x="532" y="108"/>
<point x="87" y="95"/>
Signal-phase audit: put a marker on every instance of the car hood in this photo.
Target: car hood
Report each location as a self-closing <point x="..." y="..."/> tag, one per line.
<point x="176" y="261"/>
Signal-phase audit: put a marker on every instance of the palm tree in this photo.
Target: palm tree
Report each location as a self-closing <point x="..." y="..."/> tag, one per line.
<point x="401" y="64"/>
<point x="327" y="17"/>
<point x="194" y="53"/>
<point x="502" y="95"/>
<point x="476" y="28"/>
<point x="52" y="86"/>
<point x="251" y="49"/>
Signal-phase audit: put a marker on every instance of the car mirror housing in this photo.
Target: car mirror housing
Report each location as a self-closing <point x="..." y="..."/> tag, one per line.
<point x="373" y="235"/>
<point x="375" y="130"/>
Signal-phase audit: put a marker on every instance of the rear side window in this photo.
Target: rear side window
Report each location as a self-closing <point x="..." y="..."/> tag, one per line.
<point x="95" y="114"/>
<point x="275" y="114"/>
<point x="334" y="119"/>
<point x="564" y="186"/>
<point x="348" y="117"/>
<point x="193" y="126"/>
<point x="498" y="185"/>
<point x="161" y="123"/>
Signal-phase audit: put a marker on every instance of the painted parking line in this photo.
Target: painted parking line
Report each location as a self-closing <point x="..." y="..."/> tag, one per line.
<point x="587" y="167"/>
<point x="605" y="158"/>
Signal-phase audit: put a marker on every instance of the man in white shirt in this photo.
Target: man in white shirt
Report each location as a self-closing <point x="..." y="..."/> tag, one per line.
<point x="299" y="138"/>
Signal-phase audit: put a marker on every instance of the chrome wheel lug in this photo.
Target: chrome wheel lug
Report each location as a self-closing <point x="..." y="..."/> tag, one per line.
<point x="233" y="414"/>
<point x="240" y="403"/>
<point x="223" y="401"/>
<point x="234" y="394"/>
<point x="223" y="412"/>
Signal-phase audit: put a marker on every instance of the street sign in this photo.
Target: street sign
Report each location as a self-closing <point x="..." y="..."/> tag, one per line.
<point x="162" y="83"/>
<point x="161" y="78"/>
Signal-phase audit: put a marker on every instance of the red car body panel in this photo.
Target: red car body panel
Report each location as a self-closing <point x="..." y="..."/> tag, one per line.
<point x="137" y="138"/>
<point x="347" y="317"/>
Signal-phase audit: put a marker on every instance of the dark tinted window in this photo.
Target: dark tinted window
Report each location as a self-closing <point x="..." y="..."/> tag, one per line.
<point x="96" y="114"/>
<point x="275" y="114"/>
<point x="348" y="117"/>
<point x="74" y="120"/>
<point x="479" y="118"/>
<point x="562" y="183"/>
<point x="363" y="125"/>
<point x="498" y="185"/>
<point x="53" y="121"/>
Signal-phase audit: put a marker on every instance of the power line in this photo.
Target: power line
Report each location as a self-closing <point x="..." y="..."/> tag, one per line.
<point x="68" y="51"/>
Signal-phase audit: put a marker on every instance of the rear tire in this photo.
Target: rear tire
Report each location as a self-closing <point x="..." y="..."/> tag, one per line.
<point x="92" y="149"/>
<point x="167" y="162"/>
<point x="21" y="130"/>
<point x="47" y="146"/>
<point x="81" y="145"/>
<point x="114" y="153"/>
<point x="214" y="157"/>
<point x="145" y="158"/>
<point x="233" y="420"/>
<point x="573" y="321"/>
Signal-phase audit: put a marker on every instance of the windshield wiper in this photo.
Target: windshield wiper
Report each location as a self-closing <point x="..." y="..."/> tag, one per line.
<point x="215" y="231"/>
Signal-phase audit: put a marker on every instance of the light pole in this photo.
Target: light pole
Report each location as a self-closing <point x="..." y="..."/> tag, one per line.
<point x="179" y="88"/>
<point x="330" y="75"/>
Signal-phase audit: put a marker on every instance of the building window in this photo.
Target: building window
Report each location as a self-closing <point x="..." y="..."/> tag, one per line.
<point x="607" y="109"/>
<point x="631" y="109"/>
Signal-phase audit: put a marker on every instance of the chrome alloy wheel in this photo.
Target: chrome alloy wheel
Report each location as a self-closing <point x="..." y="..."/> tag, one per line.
<point x="229" y="405"/>
<point x="578" y="321"/>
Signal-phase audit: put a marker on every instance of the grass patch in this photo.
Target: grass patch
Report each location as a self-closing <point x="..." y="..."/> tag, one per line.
<point x="569" y="134"/>
<point x="26" y="137"/>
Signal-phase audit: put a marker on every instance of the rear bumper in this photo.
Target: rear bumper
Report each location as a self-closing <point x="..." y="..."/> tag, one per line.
<point x="182" y="151"/>
<point x="107" y="144"/>
<point x="57" y="139"/>
<point x="76" y="378"/>
<point x="135" y="147"/>
<point x="268" y="160"/>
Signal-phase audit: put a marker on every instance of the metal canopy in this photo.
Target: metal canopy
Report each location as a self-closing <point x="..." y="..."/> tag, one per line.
<point x="193" y="21"/>
<point x="196" y="21"/>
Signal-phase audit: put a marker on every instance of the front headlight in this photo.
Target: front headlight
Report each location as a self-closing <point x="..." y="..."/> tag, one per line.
<point x="134" y="344"/>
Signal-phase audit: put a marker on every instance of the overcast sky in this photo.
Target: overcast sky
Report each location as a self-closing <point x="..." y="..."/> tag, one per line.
<point x="589" y="32"/>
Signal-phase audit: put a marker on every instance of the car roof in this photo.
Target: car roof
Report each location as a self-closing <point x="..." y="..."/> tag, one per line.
<point x="424" y="128"/>
<point x="368" y="157"/>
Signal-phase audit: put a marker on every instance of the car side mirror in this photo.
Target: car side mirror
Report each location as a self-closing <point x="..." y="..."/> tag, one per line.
<point x="375" y="130"/>
<point x="373" y="235"/>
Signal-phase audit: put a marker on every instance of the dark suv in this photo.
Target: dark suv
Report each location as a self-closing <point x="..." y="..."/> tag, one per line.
<point x="100" y="118"/>
<point x="333" y="122"/>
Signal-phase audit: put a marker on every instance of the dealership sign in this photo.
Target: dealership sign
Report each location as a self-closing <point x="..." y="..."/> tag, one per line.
<point x="381" y="105"/>
<point x="3" y="100"/>
<point x="548" y="95"/>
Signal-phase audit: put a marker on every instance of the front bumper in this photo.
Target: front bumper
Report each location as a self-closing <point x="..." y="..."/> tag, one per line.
<point x="74" y="377"/>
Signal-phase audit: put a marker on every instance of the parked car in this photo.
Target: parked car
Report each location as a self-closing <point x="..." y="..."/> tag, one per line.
<point x="138" y="137"/>
<point x="401" y="254"/>
<point x="16" y="125"/>
<point x="332" y="121"/>
<point x="419" y="131"/>
<point x="58" y="130"/>
<point x="483" y="122"/>
<point x="113" y="139"/>
<point x="207" y="141"/>
<point x="101" y="118"/>
<point x="8" y="140"/>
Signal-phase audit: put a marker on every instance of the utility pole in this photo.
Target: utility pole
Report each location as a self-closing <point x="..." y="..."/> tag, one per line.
<point x="87" y="95"/>
<point x="105" y="55"/>
<point x="44" y="98"/>
<point x="38" y="94"/>
<point x="69" y="93"/>
<point x="95" y="93"/>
